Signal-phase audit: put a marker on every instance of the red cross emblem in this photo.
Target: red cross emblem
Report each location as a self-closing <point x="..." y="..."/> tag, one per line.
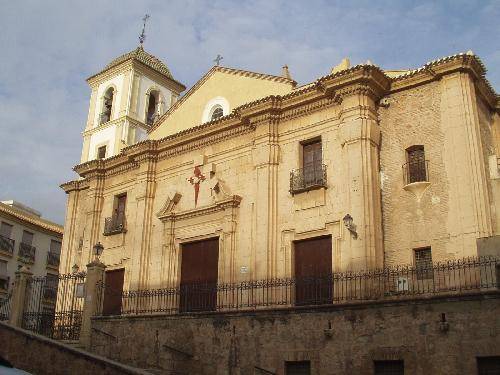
<point x="195" y="180"/>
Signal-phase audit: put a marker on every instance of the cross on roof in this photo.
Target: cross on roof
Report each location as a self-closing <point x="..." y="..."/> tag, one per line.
<point x="142" y="37"/>
<point x="218" y="60"/>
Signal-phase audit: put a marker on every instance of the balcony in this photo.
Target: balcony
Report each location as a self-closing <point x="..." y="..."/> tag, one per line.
<point x="53" y="260"/>
<point x="416" y="177"/>
<point x="6" y="245"/>
<point x="306" y="179"/>
<point x="114" y="225"/>
<point x="27" y="252"/>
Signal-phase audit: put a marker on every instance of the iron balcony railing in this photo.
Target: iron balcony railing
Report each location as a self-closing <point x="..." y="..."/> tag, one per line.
<point x="5" y="304"/>
<point x="114" y="225"/>
<point x="27" y="252"/>
<point x="7" y="244"/>
<point x="307" y="178"/>
<point x="416" y="171"/>
<point x="453" y="277"/>
<point x="53" y="259"/>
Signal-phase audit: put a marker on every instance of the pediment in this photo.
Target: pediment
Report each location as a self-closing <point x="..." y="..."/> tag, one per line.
<point x="232" y="86"/>
<point x="222" y="205"/>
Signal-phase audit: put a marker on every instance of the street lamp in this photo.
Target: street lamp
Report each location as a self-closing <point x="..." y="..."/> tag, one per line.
<point x="98" y="249"/>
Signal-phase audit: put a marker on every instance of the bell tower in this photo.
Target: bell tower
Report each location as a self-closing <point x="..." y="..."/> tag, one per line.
<point x="128" y="96"/>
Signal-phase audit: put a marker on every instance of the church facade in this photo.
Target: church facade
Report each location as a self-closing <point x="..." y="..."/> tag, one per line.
<point x="248" y="176"/>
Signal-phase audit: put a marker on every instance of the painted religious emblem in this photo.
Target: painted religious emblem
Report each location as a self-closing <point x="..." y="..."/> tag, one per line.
<point x="195" y="180"/>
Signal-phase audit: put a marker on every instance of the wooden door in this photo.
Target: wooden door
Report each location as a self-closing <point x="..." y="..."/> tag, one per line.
<point x="313" y="269"/>
<point x="113" y="290"/>
<point x="199" y="272"/>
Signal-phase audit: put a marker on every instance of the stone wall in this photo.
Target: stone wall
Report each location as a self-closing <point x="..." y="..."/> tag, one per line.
<point x="40" y="355"/>
<point x="336" y="339"/>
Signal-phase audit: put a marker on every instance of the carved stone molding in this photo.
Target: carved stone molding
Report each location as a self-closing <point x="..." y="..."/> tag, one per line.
<point x="232" y="202"/>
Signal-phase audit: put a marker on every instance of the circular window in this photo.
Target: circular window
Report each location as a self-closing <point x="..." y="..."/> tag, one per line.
<point x="217" y="113"/>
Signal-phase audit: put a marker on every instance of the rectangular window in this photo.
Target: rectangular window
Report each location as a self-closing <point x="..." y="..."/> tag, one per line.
<point x="298" y="368"/>
<point x="488" y="365"/>
<point x="389" y="367"/>
<point x="120" y="203"/>
<point x="5" y="230"/>
<point x="116" y="223"/>
<point x="27" y="237"/>
<point x="3" y="268"/>
<point x="312" y="162"/>
<point x="416" y="166"/>
<point x="101" y="152"/>
<point x="423" y="263"/>
<point x="55" y="247"/>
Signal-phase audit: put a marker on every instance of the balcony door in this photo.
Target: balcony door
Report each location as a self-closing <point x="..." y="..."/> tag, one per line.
<point x="199" y="272"/>
<point x="313" y="269"/>
<point x="113" y="290"/>
<point x="312" y="162"/>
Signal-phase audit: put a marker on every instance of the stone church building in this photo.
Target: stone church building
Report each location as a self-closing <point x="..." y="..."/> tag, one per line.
<point x="249" y="176"/>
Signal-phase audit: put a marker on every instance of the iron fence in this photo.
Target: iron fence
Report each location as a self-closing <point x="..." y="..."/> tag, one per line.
<point x="5" y="307"/>
<point x="471" y="274"/>
<point x="53" y="305"/>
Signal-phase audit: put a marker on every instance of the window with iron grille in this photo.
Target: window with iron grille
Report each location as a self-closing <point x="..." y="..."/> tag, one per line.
<point x="5" y="230"/>
<point x="423" y="263"/>
<point x="389" y="367"/>
<point x="4" y="279"/>
<point x="416" y="165"/>
<point x="488" y="365"/>
<point x="116" y="223"/>
<point x="298" y="368"/>
<point x="6" y="243"/>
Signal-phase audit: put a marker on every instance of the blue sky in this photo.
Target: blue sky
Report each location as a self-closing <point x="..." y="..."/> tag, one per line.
<point x="50" y="47"/>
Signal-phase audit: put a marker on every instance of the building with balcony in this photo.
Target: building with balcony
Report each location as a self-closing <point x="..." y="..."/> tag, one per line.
<point x="27" y="239"/>
<point x="250" y="185"/>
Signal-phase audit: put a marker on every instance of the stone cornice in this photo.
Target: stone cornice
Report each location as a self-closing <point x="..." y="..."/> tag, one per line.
<point x="231" y="202"/>
<point x="74" y="185"/>
<point x="434" y="70"/>
<point x="114" y="122"/>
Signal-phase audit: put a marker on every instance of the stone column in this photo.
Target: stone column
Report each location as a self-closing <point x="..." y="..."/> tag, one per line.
<point x="19" y="296"/>
<point x="95" y="275"/>
<point x="360" y="139"/>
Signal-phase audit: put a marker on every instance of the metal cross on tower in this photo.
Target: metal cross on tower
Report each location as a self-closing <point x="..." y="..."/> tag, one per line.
<point x="142" y="37"/>
<point x="218" y="60"/>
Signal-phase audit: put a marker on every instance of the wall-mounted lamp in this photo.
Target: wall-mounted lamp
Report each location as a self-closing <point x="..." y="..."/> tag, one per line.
<point x="349" y="224"/>
<point x="75" y="268"/>
<point x="98" y="249"/>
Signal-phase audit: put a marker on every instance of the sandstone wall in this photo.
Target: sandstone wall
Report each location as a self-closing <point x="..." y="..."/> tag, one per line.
<point x="42" y="356"/>
<point x="243" y="343"/>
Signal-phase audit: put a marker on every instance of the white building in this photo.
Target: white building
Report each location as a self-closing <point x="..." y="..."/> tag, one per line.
<point x="27" y="239"/>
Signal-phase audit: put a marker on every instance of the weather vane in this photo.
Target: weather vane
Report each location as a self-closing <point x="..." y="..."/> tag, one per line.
<point x="218" y="60"/>
<point x="142" y="37"/>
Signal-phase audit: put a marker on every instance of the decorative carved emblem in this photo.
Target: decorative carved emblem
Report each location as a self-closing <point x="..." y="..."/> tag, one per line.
<point x="195" y="180"/>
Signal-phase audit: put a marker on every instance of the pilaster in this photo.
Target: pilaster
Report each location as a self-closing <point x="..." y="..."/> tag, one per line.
<point x="360" y="139"/>
<point x="94" y="223"/>
<point x="145" y="193"/>
<point x="266" y="161"/>
<point x="92" y="106"/>
<point x="470" y="213"/>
